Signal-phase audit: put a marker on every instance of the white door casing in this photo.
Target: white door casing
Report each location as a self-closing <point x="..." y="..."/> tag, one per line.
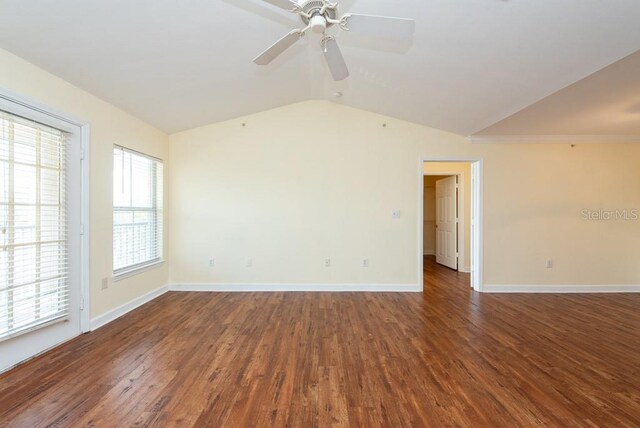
<point x="447" y="222"/>
<point x="476" y="189"/>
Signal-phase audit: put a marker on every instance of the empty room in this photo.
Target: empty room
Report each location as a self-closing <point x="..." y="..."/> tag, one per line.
<point x="312" y="213"/>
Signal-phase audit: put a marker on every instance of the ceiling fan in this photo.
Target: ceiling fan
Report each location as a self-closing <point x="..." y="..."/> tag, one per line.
<point x="320" y="15"/>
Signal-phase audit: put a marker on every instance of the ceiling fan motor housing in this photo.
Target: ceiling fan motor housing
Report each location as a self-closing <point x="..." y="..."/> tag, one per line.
<point x="317" y="21"/>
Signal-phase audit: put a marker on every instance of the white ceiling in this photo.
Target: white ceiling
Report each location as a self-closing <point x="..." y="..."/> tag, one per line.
<point x="182" y="64"/>
<point x="605" y="103"/>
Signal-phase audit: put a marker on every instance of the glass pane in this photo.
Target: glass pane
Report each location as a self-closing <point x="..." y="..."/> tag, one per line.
<point x="50" y="223"/>
<point x="4" y="225"/>
<point x="158" y="183"/>
<point x="23" y="308"/>
<point x="24" y="184"/>
<point x="49" y="186"/>
<point x="121" y="179"/>
<point x="51" y="264"/>
<point x="25" y="224"/>
<point x="4" y="138"/>
<point x="50" y="155"/>
<point x="122" y="239"/>
<point x="144" y="231"/>
<point x="24" y="150"/>
<point x="4" y="315"/>
<point x="4" y="263"/>
<point x="141" y="191"/>
<point x="24" y="265"/>
<point x="4" y="182"/>
<point x="50" y="301"/>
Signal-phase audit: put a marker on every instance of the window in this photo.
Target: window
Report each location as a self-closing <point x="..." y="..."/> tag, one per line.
<point x="137" y="210"/>
<point x="34" y="277"/>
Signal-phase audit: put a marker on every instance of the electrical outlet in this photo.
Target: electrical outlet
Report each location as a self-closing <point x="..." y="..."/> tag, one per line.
<point x="396" y="214"/>
<point x="365" y="263"/>
<point x="212" y="262"/>
<point x="549" y="264"/>
<point x="327" y="262"/>
<point x="105" y="283"/>
<point x="249" y="262"/>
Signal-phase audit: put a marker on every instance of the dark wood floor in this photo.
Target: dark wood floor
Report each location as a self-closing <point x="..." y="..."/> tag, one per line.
<point x="448" y="357"/>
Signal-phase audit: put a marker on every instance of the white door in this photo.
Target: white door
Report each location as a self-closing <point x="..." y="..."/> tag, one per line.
<point x="40" y="242"/>
<point x="447" y="222"/>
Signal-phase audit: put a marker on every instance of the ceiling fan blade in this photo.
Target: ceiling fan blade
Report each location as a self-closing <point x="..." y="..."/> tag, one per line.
<point x="278" y="48"/>
<point x="335" y="61"/>
<point x="289" y="5"/>
<point x="380" y="25"/>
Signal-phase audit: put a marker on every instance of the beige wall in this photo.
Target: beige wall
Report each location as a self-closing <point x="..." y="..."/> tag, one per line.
<point x="314" y="180"/>
<point x="464" y="169"/>
<point x="109" y="126"/>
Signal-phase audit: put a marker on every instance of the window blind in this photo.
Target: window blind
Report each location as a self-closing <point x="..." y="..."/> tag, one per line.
<point x="34" y="285"/>
<point x="137" y="210"/>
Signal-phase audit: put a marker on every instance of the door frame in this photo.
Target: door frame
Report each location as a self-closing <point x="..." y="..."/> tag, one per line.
<point x="85" y="132"/>
<point x="477" y="224"/>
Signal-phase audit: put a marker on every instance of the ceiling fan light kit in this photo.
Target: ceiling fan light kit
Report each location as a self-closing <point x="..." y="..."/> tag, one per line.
<point x="320" y="15"/>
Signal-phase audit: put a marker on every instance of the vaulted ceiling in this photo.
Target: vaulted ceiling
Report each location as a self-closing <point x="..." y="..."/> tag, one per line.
<point x="605" y="103"/>
<point x="183" y="64"/>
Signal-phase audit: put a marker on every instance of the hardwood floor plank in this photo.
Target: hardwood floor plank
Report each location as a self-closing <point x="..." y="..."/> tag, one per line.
<point x="448" y="357"/>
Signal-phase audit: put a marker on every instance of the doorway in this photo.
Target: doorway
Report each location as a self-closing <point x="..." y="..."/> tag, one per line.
<point x="450" y="215"/>
<point x="43" y="248"/>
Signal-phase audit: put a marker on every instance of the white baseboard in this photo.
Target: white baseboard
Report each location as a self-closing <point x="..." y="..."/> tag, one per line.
<point x="113" y="314"/>
<point x="465" y="269"/>
<point x="503" y="288"/>
<point x="320" y="288"/>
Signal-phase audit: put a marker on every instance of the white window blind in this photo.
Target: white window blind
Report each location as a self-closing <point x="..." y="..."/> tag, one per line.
<point x="34" y="286"/>
<point x="137" y="210"/>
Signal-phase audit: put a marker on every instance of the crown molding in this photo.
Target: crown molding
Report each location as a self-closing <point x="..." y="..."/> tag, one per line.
<point x="553" y="139"/>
